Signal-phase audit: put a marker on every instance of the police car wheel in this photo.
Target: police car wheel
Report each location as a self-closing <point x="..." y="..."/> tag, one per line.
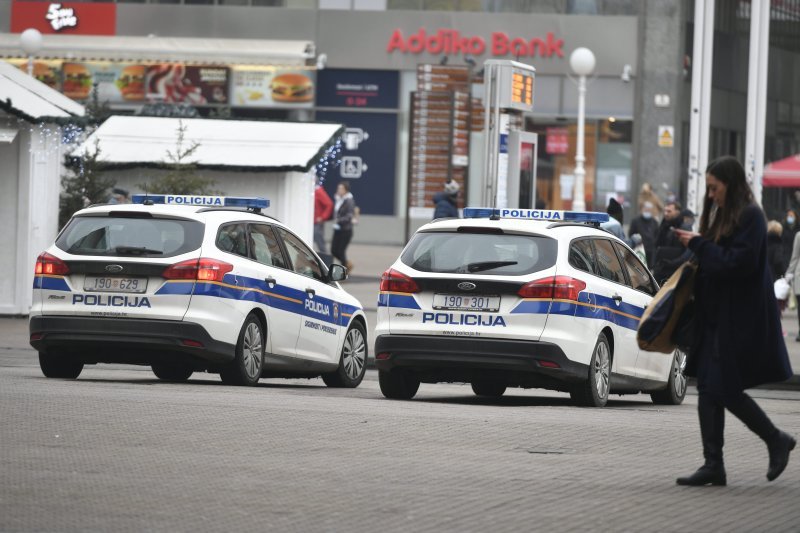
<point x="172" y="372"/>
<point x="398" y="384"/>
<point x="675" y="391"/>
<point x="594" y="391"/>
<point x="59" y="365"/>
<point x="245" y="369"/>
<point x="491" y="389"/>
<point x="352" y="361"/>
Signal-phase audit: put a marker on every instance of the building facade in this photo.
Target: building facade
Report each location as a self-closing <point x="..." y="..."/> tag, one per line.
<point x="363" y="64"/>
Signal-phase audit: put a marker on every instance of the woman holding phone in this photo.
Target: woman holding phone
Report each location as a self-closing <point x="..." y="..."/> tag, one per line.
<point x="738" y="343"/>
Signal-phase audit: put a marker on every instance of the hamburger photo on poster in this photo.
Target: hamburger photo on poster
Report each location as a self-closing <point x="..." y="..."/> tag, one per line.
<point x="130" y="82"/>
<point x="77" y="82"/>
<point x="270" y="87"/>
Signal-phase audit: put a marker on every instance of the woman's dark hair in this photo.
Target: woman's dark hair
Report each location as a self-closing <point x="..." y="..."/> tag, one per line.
<point x="346" y="185"/>
<point x="717" y="222"/>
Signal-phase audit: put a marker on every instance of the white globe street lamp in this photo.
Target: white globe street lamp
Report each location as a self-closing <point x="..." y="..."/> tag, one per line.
<point x="31" y="42"/>
<point x="582" y="63"/>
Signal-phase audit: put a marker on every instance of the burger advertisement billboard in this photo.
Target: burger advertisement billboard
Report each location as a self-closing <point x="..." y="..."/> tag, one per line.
<point x="47" y="72"/>
<point x="271" y="87"/>
<point x="116" y="82"/>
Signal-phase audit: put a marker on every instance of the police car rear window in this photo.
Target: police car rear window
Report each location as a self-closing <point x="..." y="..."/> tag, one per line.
<point x="480" y="253"/>
<point x="130" y="237"/>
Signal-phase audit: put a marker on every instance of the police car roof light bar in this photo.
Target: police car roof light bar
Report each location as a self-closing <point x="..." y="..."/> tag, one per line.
<point x="253" y="203"/>
<point x="545" y="215"/>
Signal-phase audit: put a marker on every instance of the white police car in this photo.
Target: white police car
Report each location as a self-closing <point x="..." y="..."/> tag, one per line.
<point x="520" y="298"/>
<point x="193" y="283"/>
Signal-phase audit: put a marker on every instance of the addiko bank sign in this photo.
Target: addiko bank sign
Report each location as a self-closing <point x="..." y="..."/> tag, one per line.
<point x="444" y="41"/>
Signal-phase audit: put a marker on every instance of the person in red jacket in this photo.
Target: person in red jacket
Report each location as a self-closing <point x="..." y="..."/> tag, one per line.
<point x="323" y="209"/>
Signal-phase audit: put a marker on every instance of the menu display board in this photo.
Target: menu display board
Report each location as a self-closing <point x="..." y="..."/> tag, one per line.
<point x="271" y="87"/>
<point x="441" y="120"/>
<point x="190" y="84"/>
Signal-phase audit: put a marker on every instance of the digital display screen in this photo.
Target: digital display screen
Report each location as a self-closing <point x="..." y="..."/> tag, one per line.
<point x="522" y="89"/>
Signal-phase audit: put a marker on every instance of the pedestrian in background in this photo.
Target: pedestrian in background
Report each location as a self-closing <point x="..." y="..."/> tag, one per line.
<point x="646" y="225"/>
<point x="344" y="210"/>
<point x="790" y="228"/>
<point x="670" y="254"/>
<point x="647" y="194"/>
<point x="614" y="224"/>
<point x="738" y="342"/>
<point x="777" y="267"/>
<point x="323" y="209"/>
<point x="119" y="196"/>
<point x="793" y="275"/>
<point x="446" y="201"/>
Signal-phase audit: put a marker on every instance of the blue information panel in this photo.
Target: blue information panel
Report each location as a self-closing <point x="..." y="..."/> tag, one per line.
<point x="369" y="147"/>
<point x="358" y="88"/>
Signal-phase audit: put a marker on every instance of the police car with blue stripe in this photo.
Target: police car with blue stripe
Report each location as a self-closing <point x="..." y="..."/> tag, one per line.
<point x="520" y="298"/>
<point x="193" y="283"/>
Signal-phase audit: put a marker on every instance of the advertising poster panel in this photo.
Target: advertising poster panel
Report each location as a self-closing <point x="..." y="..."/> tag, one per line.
<point x="358" y="88"/>
<point x="272" y="87"/>
<point x="368" y="159"/>
<point x="47" y="72"/>
<point x="116" y="82"/>
<point x="189" y="84"/>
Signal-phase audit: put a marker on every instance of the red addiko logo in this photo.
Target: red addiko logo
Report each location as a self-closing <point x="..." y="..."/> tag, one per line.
<point x="65" y="17"/>
<point x="447" y="41"/>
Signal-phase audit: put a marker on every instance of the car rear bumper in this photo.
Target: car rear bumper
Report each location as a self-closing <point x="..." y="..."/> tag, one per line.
<point x="126" y="340"/>
<point x="447" y="359"/>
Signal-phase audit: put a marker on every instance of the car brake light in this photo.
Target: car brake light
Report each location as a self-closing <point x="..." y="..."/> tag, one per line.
<point x="50" y="265"/>
<point x="202" y="269"/>
<point x="394" y="281"/>
<point x="554" y="287"/>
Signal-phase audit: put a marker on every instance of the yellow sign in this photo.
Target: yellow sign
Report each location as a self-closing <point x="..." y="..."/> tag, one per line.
<point x="666" y="136"/>
<point x="522" y="89"/>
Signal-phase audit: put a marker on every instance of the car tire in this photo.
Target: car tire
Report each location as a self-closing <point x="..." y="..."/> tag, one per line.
<point x="594" y="391"/>
<point x="59" y="365"/>
<point x="675" y="391"/>
<point x="174" y="372"/>
<point x="398" y="384"/>
<point x="352" y="360"/>
<point x="246" y="367"/>
<point x="489" y="389"/>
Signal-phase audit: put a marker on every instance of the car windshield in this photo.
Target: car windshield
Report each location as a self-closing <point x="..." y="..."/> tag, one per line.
<point x="130" y="237"/>
<point x="479" y="253"/>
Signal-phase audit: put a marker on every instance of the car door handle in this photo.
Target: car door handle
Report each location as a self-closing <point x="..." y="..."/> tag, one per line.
<point x="270" y="281"/>
<point x="617" y="298"/>
<point x="311" y="292"/>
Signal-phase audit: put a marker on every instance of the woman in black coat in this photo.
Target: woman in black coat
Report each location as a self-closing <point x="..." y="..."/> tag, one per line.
<point x="739" y="343"/>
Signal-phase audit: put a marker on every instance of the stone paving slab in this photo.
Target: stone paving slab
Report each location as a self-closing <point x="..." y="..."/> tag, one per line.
<point x="119" y="450"/>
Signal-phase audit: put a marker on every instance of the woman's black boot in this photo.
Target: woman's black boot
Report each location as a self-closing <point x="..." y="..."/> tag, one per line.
<point x="779" y="449"/>
<point x="712" y="432"/>
<point x="779" y="444"/>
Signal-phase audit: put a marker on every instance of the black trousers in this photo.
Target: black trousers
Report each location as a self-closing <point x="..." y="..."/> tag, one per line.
<point x="341" y="239"/>
<point x="718" y="391"/>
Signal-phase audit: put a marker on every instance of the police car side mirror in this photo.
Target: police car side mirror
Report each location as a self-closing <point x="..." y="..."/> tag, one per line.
<point x="338" y="273"/>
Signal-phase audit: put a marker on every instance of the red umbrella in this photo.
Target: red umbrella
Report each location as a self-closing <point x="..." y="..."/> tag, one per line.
<point x="783" y="173"/>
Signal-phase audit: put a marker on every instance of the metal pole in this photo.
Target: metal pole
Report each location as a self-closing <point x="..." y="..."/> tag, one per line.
<point x="487" y="132"/>
<point x="579" y="200"/>
<point x="702" y="66"/>
<point x="761" y="109"/>
<point x="30" y="65"/>
<point x="752" y="95"/>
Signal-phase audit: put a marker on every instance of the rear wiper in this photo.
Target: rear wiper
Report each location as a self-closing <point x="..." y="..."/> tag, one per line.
<point x="488" y="265"/>
<point x="136" y="250"/>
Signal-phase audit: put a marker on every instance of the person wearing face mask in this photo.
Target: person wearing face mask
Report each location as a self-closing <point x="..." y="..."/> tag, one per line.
<point x="647" y="227"/>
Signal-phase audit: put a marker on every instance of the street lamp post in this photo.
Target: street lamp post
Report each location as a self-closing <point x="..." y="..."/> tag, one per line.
<point x="31" y="41"/>
<point x="582" y="62"/>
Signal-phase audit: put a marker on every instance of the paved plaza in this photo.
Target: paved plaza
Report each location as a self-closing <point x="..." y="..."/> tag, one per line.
<point x="119" y="450"/>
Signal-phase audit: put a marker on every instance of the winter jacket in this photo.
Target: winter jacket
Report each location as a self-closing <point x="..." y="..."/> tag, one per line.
<point x="445" y="206"/>
<point x="735" y="303"/>
<point x="648" y="229"/>
<point x="345" y="210"/>
<point x="775" y="256"/>
<point x="323" y="205"/>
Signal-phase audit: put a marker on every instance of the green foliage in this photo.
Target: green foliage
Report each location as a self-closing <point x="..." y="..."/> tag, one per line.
<point x="85" y="185"/>
<point x="182" y="177"/>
